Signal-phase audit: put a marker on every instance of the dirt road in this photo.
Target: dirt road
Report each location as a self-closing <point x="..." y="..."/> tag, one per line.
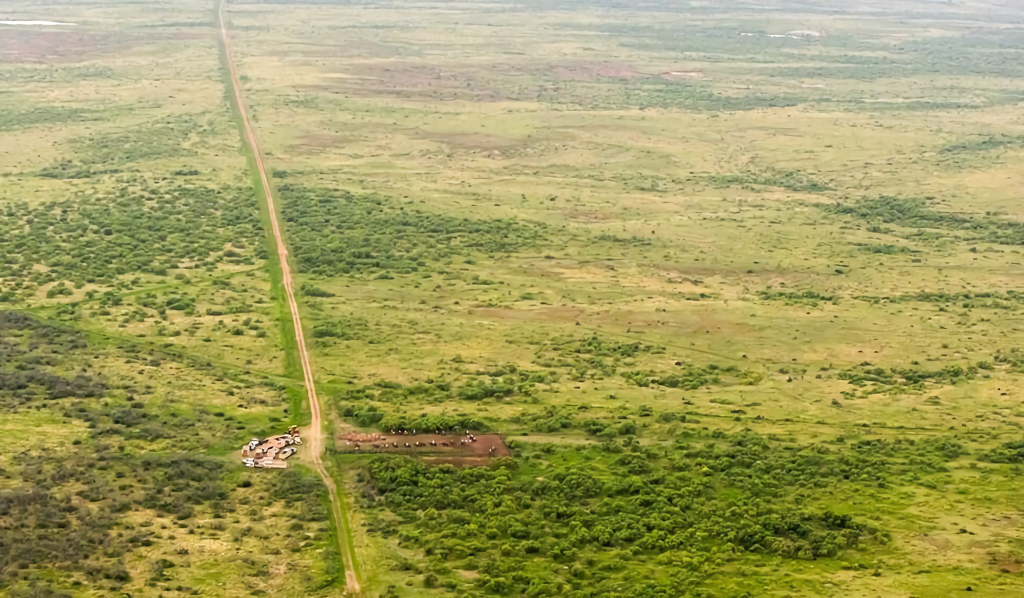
<point x="315" y="438"/>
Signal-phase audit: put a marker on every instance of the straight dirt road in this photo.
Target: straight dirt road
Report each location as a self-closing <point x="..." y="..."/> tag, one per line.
<point x="315" y="436"/>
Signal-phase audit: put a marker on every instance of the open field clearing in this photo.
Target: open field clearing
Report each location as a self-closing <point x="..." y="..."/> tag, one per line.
<point x="649" y="300"/>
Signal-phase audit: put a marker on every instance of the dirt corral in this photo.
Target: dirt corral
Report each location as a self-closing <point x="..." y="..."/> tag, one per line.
<point x="454" y="449"/>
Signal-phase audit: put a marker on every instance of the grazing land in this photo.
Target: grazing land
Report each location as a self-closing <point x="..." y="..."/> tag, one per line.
<point x="732" y="289"/>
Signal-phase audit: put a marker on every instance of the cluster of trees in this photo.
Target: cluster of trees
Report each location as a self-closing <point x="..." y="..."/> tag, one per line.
<point x="597" y="346"/>
<point x="38" y="527"/>
<point x="114" y="153"/>
<point x="808" y="298"/>
<point x="144" y="227"/>
<point x="966" y="299"/>
<point x="630" y="509"/>
<point x="655" y="92"/>
<point x="335" y="232"/>
<point x="692" y="377"/>
<point x="991" y="142"/>
<point x="591" y="356"/>
<point x="520" y="382"/>
<point x="1014" y="358"/>
<point x="909" y="212"/>
<point x="914" y="212"/>
<point x="1008" y="452"/>
<point x="432" y="393"/>
<point x="64" y="510"/>
<point x="67" y="513"/>
<point x="13" y="119"/>
<point x="372" y="416"/>
<point x="555" y="419"/>
<point x="987" y="51"/>
<point x="346" y="328"/>
<point x="886" y="248"/>
<point x="28" y="352"/>
<point x="786" y="179"/>
<point x="168" y="137"/>
<point x="906" y="378"/>
<point x="310" y="290"/>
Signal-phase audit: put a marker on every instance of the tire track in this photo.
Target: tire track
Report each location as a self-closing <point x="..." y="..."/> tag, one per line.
<point x="316" y="424"/>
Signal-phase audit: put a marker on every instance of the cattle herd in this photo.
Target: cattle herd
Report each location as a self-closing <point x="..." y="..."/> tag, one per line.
<point x="409" y="440"/>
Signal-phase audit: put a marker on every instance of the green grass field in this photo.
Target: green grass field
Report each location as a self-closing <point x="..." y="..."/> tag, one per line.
<point x="738" y="283"/>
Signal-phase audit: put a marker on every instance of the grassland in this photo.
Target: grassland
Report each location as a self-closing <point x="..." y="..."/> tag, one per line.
<point x="743" y="300"/>
<point x="678" y="265"/>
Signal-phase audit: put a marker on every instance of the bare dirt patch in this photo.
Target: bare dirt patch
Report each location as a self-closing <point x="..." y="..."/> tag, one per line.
<point x="1009" y="564"/>
<point x="592" y="71"/>
<point x="410" y="81"/>
<point x="452" y="449"/>
<point x="940" y="543"/>
<point x="485" y="83"/>
<point x="70" y="46"/>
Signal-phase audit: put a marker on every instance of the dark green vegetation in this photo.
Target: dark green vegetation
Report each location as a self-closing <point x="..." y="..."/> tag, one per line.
<point x="809" y="298"/>
<point x="929" y="223"/>
<point x="115" y="504"/>
<point x="340" y="233"/>
<point x="14" y="119"/>
<point x="147" y="226"/>
<point x="651" y="519"/>
<point x="993" y="142"/>
<point x="965" y="299"/>
<point x="793" y="181"/>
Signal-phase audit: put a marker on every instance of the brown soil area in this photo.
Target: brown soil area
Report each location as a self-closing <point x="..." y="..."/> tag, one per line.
<point x="1009" y="563"/>
<point x="470" y="141"/>
<point x="492" y="83"/>
<point x="589" y="71"/>
<point x="69" y="46"/>
<point x="409" y="80"/>
<point x="472" y="453"/>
